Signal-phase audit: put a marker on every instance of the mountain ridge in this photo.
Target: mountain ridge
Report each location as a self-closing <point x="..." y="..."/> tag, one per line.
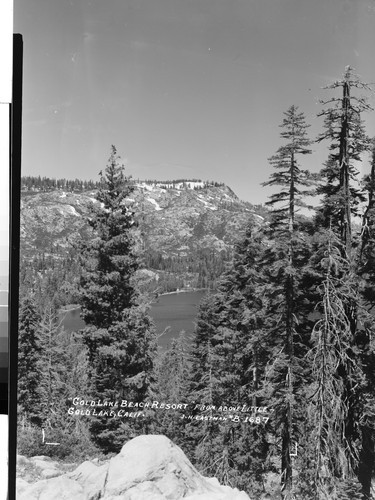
<point x="185" y="232"/>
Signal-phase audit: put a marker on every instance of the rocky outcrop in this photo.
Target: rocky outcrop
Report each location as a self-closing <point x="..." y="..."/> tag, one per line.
<point x="171" y="221"/>
<point x="185" y="235"/>
<point x="147" y="468"/>
<point x="39" y="467"/>
<point x="58" y="488"/>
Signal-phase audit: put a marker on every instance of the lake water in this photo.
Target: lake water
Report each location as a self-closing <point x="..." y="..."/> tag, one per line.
<point x="175" y="311"/>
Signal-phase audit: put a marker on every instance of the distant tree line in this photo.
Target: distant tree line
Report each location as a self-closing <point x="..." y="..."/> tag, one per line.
<point x="38" y="183"/>
<point x="185" y="182"/>
<point x="30" y="183"/>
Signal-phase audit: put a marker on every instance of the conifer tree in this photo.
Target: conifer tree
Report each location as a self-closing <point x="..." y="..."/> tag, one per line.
<point x="293" y="184"/>
<point x="209" y="439"/>
<point x="289" y="178"/>
<point x="344" y="129"/>
<point x="342" y="195"/>
<point x="109" y="260"/>
<point x="173" y="371"/>
<point x="119" y="335"/>
<point x="54" y="359"/>
<point x="367" y="247"/>
<point x="334" y="370"/>
<point x="365" y="335"/>
<point x="229" y="355"/>
<point x="29" y="363"/>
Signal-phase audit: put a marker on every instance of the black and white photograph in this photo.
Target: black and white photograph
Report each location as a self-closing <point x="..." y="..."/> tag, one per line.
<point x="196" y="297"/>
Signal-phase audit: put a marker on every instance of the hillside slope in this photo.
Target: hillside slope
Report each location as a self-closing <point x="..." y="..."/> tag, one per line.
<point x="185" y="232"/>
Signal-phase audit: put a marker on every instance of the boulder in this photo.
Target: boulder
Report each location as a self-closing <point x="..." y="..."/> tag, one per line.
<point x="91" y="477"/>
<point x="49" y="473"/>
<point x="155" y="459"/>
<point x="22" y="460"/>
<point x="22" y="484"/>
<point x="58" y="488"/>
<point x="44" y="463"/>
<point x="163" y="470"/>
<point x="147" y="468"/>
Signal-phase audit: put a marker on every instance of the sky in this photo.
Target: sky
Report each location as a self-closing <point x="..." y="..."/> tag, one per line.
<point x="182" y="88"/>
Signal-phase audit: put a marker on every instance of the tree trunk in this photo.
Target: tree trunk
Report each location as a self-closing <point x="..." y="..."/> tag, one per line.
<point x="367" y="461"/>
<point x="346" y="227"/>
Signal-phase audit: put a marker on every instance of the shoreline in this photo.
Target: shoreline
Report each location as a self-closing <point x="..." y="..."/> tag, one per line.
<point x="183" y="290"/>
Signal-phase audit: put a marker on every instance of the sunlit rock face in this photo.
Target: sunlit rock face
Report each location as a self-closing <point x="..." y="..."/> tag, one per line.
<point x="175" y="219"/>
<point x="147" y="468"/>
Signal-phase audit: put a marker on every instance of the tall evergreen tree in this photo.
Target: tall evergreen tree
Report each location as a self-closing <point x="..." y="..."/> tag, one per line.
<point x="293" y="184"/>
<point x="229" y="355"/>
<point x="367" y="248"/>
<point x="290" y="180"/>
<point x="173" y="371"/>
<point x="365" y="335"/>
<point x="334" y="369"/>
<point x="120" y="335"/>
<point x="344" y="129"/>
<point x="342" y="196"/>
<point x="108" y="259"/>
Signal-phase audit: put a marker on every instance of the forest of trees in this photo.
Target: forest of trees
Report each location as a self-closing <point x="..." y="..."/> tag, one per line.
<point x="33" y="183"/>
<point x="288" y="333"/>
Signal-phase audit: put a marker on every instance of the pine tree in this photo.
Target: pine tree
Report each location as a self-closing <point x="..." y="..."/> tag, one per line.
<point x="29" y="363"/>
<point x="288" y="177"/>
<point x="229" y="355"/>
<point x="121" y="359"/>
<point x="344" y="129"/>
<point x="342" y="195"/>
<point x="54" y="361"/>
<point x="281" y="260"/>
<point x="108" y="259"/>
<point x="208" y="439"/>
<point x="120" y="335"/>
<point x="367" y="246"/>
<point x="173" y="371"/>
<point x="365" y="334"/>
<point x="335" y="372"/>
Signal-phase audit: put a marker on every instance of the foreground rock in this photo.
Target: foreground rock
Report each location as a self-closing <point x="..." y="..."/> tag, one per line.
<point x="147" y="468"/>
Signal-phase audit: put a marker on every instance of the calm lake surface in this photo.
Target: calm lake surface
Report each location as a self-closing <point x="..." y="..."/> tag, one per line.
<point x="178" y="312"/>
<point x="175" y="311"/>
